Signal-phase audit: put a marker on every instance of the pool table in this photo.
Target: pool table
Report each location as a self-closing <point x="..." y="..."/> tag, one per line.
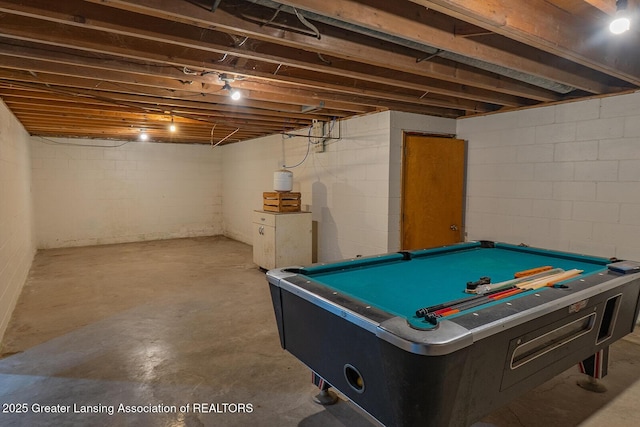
<point x="403" y="337"/>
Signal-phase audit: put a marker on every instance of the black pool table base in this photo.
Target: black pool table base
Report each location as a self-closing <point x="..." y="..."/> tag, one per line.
<point x="467" y="366"/>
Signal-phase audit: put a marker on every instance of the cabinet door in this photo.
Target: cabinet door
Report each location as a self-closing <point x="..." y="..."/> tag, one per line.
<point x="264" y="246"/>
<point x="293" y="240"/>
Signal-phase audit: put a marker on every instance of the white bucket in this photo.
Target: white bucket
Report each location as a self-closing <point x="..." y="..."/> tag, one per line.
<point x="283" y="180"/>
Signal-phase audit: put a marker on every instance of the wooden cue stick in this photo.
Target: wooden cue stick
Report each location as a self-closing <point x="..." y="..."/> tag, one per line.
<point x="508" y="293"/>
<point x="447" y="306"/>
<point x="527" y="284"/>
<point x="514" y="282"/>
<point x="532" y="271"/>
<point x="549" y="281"/>
<point x="541" y="283"/>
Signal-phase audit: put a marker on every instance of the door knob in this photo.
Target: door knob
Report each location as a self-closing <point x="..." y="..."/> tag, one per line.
<point x="454" y="227"/>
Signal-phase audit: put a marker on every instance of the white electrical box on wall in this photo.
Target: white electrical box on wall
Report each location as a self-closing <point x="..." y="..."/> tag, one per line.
<point x="317" y="136"/>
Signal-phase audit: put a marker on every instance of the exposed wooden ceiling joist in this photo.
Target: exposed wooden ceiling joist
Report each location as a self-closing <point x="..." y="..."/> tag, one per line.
<point x="126" y="63"/>
<point x="544" y="26"/>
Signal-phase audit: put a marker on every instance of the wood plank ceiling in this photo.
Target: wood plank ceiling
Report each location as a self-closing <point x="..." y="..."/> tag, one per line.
<point x="109" y="68"/>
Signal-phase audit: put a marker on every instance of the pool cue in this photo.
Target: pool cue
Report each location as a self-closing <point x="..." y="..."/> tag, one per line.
<point x="446" y="306"/>
<point x="548" y="279"/>
<point x="435" y="308"/>
<point x="449" y="312"/>
<point x="509" y="288"/>
<point x="532" y="271"/>
<point x="504" y="293"/>
<point x="514" y="282"/>
<point x="551" y="280"/>
<point x="507" y="294"/>
<point x="474" y="302"/>
<point x="536" y="281"/>
<point x="540" y="283"/>
<point x="471" y="304"/>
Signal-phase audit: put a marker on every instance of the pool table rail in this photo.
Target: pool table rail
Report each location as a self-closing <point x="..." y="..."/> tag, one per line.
<point x="350" y="309"/>
<point x="449" y="335"/>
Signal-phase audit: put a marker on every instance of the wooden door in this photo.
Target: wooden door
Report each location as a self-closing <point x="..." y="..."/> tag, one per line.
<point x="433" y="172"/>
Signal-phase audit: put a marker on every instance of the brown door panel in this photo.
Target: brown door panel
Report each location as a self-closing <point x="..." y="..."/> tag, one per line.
<point x="433" y="171"/>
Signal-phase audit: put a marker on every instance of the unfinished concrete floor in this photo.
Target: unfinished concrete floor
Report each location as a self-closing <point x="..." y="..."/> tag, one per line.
<point x="187" y="321"/>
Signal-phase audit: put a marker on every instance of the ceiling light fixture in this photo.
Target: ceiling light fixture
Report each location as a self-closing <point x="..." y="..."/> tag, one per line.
<point x="621" y="22"/>
<point x="172" y="126"/>
<point x="233" y="93"/>
<point x="143" y="135"/>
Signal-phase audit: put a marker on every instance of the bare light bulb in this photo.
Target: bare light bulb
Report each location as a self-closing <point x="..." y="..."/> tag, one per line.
<point x="620" y="25"/>
<point x="621" y="22"/>
<point x="233" y="93"/>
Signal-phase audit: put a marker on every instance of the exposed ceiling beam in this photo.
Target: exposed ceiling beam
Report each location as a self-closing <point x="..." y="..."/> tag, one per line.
<point x="419" y="25"/>
<point x="343" y="48"/>
<point x="106" y="68"/>
<point x="172" y="80"/>
<point x="540" y="24"/>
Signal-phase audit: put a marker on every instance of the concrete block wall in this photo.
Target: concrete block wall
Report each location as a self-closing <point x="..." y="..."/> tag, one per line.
<point x="243" y="183"/>
<point x="564" y="176"/>
<point x="17" y="243"/>
<point x="345" y="187"/>
<point x="352" y="188"/>
<point x="89" y="192"/>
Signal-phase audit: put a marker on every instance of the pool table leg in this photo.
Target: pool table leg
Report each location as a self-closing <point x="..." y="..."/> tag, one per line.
<point x="325" y="397"/>
<point x="595" y="366"/>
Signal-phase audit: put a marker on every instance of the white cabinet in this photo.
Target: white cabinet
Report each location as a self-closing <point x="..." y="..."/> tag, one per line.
<point x="281" y="239"/>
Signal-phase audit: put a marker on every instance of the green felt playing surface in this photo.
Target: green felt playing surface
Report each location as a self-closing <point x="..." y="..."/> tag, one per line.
<point x="432" y="277"/>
